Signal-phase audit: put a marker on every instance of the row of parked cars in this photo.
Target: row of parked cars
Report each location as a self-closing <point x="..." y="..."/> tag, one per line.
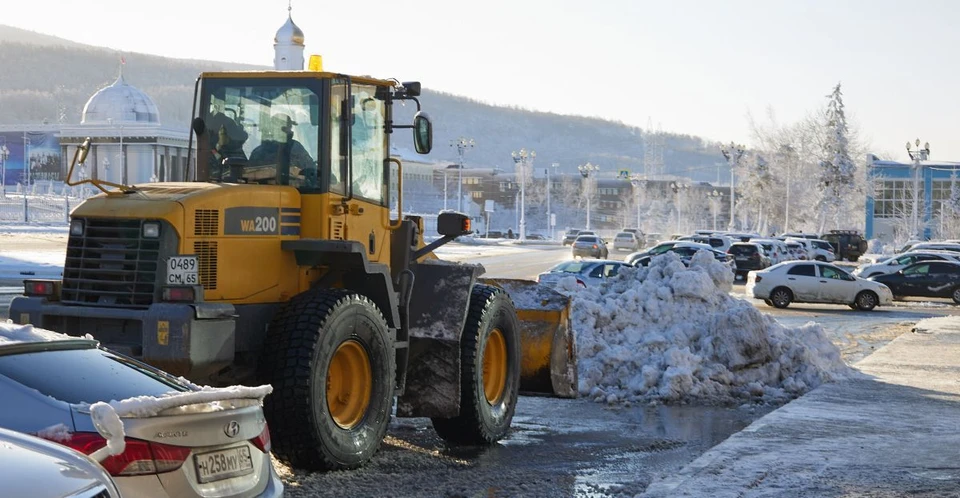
<point x="157" y="435"/>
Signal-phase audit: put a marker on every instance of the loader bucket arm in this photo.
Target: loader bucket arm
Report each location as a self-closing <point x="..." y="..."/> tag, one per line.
<point x="548" y="363"/>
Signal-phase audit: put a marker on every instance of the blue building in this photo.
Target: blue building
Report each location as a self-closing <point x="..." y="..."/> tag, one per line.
<point x="890" y="205"/>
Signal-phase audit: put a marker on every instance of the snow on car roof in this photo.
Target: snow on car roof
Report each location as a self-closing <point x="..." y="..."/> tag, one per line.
<point x="12" y="333"/>
<point x="668" y="332"/>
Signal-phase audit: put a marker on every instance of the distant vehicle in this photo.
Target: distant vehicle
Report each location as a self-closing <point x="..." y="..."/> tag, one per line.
<point x="591" y="246"/>
<point x="935" y="246"/>
<point x="718" y="242"/>
<point x="795" y="251"/>
<point x="774" y="249"/>
<point x="815" y="282"/>
<point x="494" y="234"/>
<point x="570" y="236"/>
<point x="587" y="272"/>
<point x="800" y="235"/>
<point x="636" y="231"/>
<point x="747" y="256"/>
<point x="217" y="448"/>
<point x="823" y="251"/>
<point x="626" y="241"/>
<point x="807" y="244"/>
<point x="742" y="236"/>
<point x="924" y="279"/>
<point x="902" y="261"/>
<point x="847" y="244"/>
<point x="661" y="248"/>
<point x="42" y="469"/>
<point x="686" y="255"/>
<point x="535" y="236"/>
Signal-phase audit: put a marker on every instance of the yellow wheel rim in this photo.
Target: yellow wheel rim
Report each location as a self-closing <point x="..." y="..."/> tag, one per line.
<point x="349" y="384"/>
<point x="494" y="367"/>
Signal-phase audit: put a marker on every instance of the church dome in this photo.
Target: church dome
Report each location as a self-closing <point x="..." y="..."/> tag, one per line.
<point x="120" y="103"/>
<point x="289" y="33"/>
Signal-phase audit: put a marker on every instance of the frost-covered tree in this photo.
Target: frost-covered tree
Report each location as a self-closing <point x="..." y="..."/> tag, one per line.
<point x="837" y="170"/>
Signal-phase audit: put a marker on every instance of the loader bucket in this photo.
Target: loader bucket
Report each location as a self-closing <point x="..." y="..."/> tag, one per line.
<point x="548" y="363"/>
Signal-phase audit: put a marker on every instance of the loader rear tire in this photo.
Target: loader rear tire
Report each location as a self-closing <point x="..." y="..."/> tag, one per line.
<point x="329" y="359"/>
<point x="489" y="371"/>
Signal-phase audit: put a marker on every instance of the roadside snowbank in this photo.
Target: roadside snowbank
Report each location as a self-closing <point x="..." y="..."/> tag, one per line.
<point x="667" y="333"/>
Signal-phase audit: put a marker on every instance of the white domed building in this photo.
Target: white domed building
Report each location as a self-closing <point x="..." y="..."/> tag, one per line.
<point x="129" y="144"/>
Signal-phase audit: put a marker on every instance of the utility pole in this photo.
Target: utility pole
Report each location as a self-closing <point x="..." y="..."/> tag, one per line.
<point x="639" y="184"/>
<point x="549" y="212"/>
<point x="461" y="144"/>
<point x="732" y="153"/>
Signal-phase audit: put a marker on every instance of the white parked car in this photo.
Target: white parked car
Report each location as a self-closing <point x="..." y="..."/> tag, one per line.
<point x="795" y="251"/>
<point x="823" y="251"/>
<point x="775" y="249"/>
<point x="815" y="282"/>
<point x="901" y="261"/>
<point x="588" y="272"/>
<point x="935" y="246"/>
<point x="807" y="246"/>
<point x="718" y="242"/>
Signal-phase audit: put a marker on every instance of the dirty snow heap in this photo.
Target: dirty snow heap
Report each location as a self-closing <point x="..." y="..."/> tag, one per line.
<point x="668" y="333"/>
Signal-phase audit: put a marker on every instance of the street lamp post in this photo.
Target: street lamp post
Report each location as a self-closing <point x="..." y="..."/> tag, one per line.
<point x="714" y="198"/>
<point x="4" y="154"/>
<point x="549" y="212"/>
<point x="732" y="153"/>
<point x="678" y="188"/>
<point x="521" y="159"/>
<point x="639" y="184"/>
<point x="444" y="189"/>
<point x="917" y="154"/>
<point x="588" y="170"/>
<point x="461" y="144"/>
<point x="786" y="155"/>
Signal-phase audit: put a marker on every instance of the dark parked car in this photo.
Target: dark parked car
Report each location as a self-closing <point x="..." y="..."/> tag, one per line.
<point x="924" y="279"/>
<point x="847" y="244"/>
<point x="570" y="236"/>
<point x="590" y="246"/>
<point x="747" y="256"/>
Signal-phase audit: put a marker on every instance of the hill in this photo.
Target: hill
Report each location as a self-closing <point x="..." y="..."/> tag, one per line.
<point x="54" y="78"/>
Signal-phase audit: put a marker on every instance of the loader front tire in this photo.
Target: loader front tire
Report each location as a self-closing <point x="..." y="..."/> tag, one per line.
<point x="490" y="370"/>
<point x="329" y="358"/>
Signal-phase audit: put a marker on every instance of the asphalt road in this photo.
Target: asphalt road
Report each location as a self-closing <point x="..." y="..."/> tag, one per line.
<point x="578" y="447"/>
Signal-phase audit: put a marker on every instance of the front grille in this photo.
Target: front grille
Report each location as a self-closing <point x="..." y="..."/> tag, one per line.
<point x="111" y="265"/>
<point x="207" y="259"/>
<point x="206" y="222"/>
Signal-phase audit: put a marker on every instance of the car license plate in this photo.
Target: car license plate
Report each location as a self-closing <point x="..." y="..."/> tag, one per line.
<point x="223" y="464"/>
<point x="182" y="270"/>
<point x="742" y="258"/>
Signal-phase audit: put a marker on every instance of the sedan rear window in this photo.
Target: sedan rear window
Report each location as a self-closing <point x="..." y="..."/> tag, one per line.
<point x="569" y="267"/>
<point x="590" y="239"/>
<point x="85" y="375"/>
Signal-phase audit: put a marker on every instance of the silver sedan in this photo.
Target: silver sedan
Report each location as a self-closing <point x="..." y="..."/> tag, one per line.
<point x="174" y="438"/>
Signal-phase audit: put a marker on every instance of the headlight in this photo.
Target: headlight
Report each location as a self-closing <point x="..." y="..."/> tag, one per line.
<point x="151" y="230"/>
<point x="76" y="227"/>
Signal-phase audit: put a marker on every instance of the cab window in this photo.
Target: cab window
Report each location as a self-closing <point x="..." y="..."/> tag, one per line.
<point x="917" y="270"/>
<point x="260" y="132"/>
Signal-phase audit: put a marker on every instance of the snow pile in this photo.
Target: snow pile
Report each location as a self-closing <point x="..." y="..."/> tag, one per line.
<point x="211" y="399"/>
<point x="11" y="333"/>
<point x="109" y="425"/>
<point x="674" y="334"/>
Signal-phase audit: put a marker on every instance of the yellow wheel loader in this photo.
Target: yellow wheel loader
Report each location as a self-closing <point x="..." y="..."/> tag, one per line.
<point x="280" y="263"/>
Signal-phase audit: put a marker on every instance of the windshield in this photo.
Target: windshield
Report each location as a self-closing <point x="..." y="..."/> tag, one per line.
<point x="264" y="131"/>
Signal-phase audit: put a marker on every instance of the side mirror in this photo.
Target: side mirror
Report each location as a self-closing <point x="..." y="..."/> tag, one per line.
<point x="422" y="133"/>
<point x="199" y="125"/>
<point x="453" y="223"/>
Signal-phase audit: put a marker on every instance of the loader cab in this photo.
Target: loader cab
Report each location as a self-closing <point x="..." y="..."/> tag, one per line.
<point x="318" y="132"/>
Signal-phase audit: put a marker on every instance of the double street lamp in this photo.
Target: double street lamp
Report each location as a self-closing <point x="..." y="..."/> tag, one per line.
<point x="522" y="159"/>
<point x="714" y="198"/>
<point x="917" y="154"/>
<point x="732" y="153"/>
<point x="588" y="170"/>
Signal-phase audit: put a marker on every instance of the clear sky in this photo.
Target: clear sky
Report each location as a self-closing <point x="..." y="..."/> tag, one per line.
<point x="695" y="67"/>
